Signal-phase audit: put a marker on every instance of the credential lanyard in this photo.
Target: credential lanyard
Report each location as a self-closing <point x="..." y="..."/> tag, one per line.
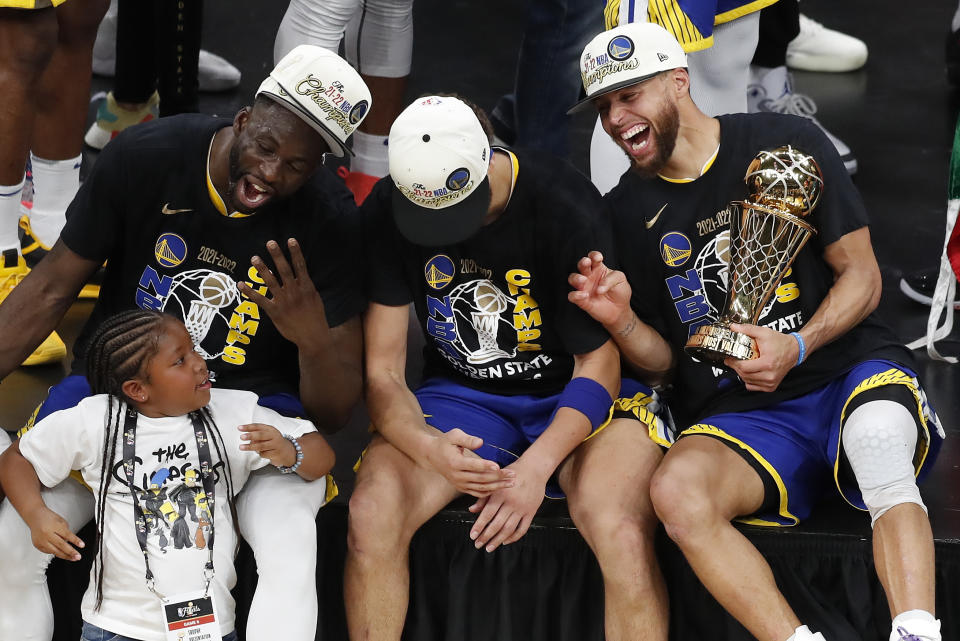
<point x="206" y="477"/>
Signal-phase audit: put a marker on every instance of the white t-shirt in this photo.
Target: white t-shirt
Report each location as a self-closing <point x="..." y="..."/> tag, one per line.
<point x="175" y="507"/>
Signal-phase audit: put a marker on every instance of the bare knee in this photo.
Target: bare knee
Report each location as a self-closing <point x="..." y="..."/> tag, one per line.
<point x="681" y="505"/>
<point x="31" y="38"/>
<point x="376" y="524"/>
<point x="614" y="530"/>
<point x="78" y="22"/>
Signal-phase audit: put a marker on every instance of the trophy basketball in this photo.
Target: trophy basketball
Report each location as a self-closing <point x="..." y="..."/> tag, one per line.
<point x="767" y="231"/>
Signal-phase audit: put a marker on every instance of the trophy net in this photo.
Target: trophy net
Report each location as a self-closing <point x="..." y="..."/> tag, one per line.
<point x="762" y="247"/>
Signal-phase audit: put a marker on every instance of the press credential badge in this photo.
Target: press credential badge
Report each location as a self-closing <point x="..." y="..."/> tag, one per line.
<point x="190" y="617"/>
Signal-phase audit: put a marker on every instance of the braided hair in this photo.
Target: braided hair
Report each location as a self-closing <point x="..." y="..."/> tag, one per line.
<point x="120" y="350"/>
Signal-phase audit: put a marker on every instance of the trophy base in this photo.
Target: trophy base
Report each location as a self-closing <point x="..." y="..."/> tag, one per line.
<point x="716" y="342"/>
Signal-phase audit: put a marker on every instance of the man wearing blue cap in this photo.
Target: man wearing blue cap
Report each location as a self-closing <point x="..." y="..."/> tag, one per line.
<point x="829" y="390"/>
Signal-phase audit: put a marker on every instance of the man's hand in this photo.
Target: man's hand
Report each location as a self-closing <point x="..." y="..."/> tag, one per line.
<point x="506" y="514"/>
<point x="778" y="355"/>
<point x="294" y="306"/>
<point x="451" y="455"/>
<point x="268" y="442"/>
<point x="51" y="534"/>
<point x="600" y="291"/>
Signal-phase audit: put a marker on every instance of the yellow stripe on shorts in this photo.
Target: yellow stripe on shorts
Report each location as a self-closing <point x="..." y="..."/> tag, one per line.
<point x="710" y="430"/>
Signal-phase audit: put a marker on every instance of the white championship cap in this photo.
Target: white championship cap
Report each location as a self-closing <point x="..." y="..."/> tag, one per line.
<point x="439" y="156"/>
<point x="626" y="55"/>
<point x="321" y="88"/>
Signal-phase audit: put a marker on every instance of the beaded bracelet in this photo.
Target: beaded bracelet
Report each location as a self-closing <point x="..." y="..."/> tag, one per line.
<point x="293" y="468"/>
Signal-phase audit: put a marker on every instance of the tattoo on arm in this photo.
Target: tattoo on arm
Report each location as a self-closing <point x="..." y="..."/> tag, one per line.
<point x="628" y="328"/>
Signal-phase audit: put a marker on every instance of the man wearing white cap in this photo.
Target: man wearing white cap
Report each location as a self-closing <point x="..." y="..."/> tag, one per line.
<point x="829" y="390"/>
<point x="181" y="209"/>
<point x="517" y="398"/>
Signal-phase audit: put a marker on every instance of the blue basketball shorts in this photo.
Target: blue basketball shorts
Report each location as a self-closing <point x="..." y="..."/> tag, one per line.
<point x="509" y="424"/>
<point x="795" y="445"/>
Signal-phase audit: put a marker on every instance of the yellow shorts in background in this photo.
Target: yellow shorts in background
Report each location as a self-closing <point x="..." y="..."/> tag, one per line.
<point x="30" y="4"/>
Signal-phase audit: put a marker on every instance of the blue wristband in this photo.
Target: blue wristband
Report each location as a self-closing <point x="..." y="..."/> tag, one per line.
<point x="803" y="347"/>
<point x="588" y="397"/>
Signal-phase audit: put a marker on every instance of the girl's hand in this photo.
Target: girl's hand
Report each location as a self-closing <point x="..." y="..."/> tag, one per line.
<point x="51" y="534"/>
<point x="268" y="442"/>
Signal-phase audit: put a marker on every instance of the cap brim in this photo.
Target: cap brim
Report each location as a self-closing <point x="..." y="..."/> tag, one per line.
<point x="447" y="226"/>
<point x="336" y="147"/>
<point x="582" y="104"/>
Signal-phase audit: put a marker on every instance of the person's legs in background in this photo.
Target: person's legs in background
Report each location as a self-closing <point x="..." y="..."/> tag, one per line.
<point x="134" y="98"/>
<point x="547" y="82"/>
<point x="44" y="69"/>
<point x="379" y="43"/>
<point x="771" y="87"/>
<point x="61" y="113"/>
<point x="28" y="39"/>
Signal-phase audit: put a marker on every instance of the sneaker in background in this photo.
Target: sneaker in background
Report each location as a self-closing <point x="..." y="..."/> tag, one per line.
<point x="31" y="248"/>
<point x="917" y="630"/>
<point x="920" y="286"/>
<point x="112" y="119"/>
<point x="13" y="270"/>
<point x="771" y="90"/>
<point x="818" y="48"/>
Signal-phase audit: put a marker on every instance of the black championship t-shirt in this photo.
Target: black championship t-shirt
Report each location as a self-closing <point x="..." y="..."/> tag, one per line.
<point x="146" y="210"/>
<point x="494" y="308"/>
<point x="672" y="241"/>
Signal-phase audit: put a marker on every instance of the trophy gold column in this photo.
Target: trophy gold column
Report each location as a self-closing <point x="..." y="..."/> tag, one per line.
<point x="767" y="231"/>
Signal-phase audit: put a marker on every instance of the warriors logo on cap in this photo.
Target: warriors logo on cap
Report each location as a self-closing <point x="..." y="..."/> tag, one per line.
<point x="620" y="47"/>
<point x="358" y="112"/>
<point x="458" y="179"/>
<point x="439" y="156"/>
<point x="626" y="55"/>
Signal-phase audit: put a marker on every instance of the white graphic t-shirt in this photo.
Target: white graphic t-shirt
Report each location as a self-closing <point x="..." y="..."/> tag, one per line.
<point x="171" y="496"/>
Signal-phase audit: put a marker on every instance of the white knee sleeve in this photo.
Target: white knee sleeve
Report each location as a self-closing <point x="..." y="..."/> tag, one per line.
<point x="26" y="613"/>
<point x="315" y="22"/>
<point x="879" y="439"/>
<point x="379" y="38"/>
<point x="719" y="75"/>
<point x="277" y="514"/>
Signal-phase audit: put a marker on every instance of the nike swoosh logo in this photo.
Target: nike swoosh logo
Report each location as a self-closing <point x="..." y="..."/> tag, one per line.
<point x="166" y="210"/>
<point x="653" y="221"/>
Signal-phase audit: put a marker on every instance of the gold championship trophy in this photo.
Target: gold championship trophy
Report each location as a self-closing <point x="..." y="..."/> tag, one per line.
<point x="767" y="231"/>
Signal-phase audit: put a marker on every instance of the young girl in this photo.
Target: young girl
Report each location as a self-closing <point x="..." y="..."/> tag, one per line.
<point x="165" y="454"/>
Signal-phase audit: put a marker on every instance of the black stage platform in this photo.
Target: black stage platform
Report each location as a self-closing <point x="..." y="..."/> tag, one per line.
<point x="897" y="114"/>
